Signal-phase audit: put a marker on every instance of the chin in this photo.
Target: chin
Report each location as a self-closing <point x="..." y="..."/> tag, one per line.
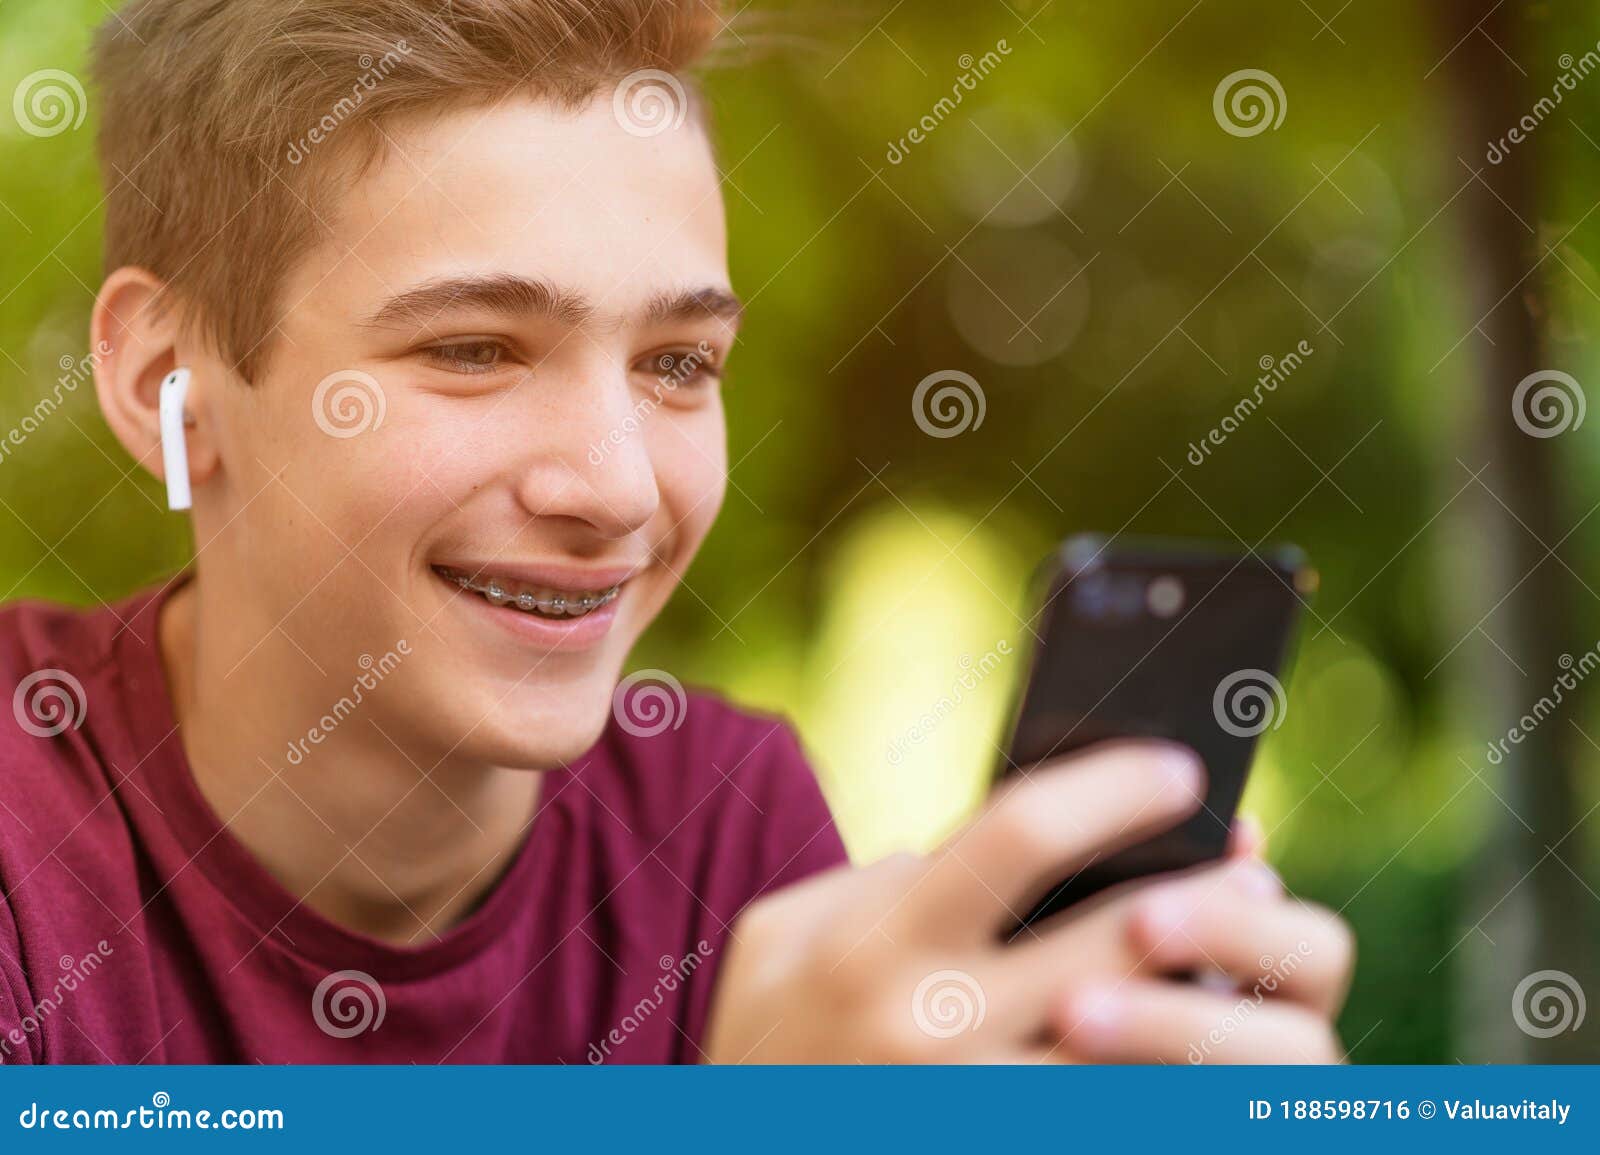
<point x="549" y="751"/>
<point x="538" y="738"/>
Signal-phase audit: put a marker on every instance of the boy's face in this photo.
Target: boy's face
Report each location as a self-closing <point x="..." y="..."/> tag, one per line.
<point x="499" y="365"/>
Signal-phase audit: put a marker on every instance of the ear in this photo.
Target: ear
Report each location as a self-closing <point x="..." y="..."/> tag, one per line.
<point x="137" y="336"/>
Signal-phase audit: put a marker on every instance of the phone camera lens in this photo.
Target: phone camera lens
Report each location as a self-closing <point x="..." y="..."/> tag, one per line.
<point x="1091" y="596"/>
<point x="1128" y="597"/>
<point x="1164" y="596"/>
<point x="1108" y="598"/>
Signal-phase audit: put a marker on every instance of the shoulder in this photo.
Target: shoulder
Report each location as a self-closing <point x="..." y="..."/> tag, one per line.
<point x="34" y="633"/>
<point x="55" y="674"/>
<point x="62" y="705"/>
<point x="51" y="657"/>
<point x="706" y="779"/>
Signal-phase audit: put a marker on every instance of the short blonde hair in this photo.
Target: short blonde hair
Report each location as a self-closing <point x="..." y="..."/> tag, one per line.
<point x="227" y="123"/>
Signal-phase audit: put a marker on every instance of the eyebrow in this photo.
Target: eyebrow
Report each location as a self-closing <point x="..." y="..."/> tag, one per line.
<point x="707" y="301"/>
<point x="513" y="295"/>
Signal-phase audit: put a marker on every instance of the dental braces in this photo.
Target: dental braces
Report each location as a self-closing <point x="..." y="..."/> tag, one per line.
<point x="497" y="594"/>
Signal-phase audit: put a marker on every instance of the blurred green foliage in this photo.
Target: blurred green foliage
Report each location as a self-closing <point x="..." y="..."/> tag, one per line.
<point x="1082" y="237"/>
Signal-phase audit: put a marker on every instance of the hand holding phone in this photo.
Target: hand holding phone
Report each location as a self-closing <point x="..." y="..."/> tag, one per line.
<point x="1158" y="640"/>
<point x="903" y="960"/>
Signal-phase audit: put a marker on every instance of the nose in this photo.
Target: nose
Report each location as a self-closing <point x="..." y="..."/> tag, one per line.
<point x="595" y="466"/>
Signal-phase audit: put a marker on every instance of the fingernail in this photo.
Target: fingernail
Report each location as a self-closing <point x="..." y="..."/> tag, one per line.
<point x="1093" y="1014"/>
<point x="1161" y="917"/>
<point x="1257" y="878"/>
<point x="1182" y="766"/>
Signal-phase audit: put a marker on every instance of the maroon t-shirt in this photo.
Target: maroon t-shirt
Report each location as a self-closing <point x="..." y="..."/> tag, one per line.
<point x="135" y="928"/>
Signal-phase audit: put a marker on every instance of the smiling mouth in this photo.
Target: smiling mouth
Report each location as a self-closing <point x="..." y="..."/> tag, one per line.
<point x="539" y="601"/>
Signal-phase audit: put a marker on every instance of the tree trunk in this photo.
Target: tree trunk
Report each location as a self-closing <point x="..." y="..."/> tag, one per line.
<point x="1524" y="911"/>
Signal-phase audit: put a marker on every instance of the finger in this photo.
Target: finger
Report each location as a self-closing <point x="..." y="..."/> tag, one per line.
<point x="1289" y="949"/>
<point x="1047" y="825"/>
<point x="1154" y="1021"/>
<point x="1247" y="839"/>
<point x="839" y="912"/>
<point x="1094" y="942"/>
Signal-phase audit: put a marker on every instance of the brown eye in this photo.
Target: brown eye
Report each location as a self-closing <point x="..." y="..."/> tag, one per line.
<point x="686" y="368"/>
<point x="468" y="356"/>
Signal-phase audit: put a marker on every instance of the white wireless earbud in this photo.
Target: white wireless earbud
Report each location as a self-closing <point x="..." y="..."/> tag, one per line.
<point x="174" y="449"/>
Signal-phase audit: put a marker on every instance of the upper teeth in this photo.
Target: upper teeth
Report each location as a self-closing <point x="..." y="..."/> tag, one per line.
<point x="502" y="591"/>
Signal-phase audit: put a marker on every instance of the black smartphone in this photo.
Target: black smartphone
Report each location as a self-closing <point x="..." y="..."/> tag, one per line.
<point x="1156" y="639"/>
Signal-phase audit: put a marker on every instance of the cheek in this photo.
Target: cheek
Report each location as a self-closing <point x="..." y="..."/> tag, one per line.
<point x="372" y="468"/>
<point x="434" y="452"/>
<point x="690" y="457"/>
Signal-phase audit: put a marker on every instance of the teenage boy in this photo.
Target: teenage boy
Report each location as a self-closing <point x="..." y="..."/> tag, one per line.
<point x="362" y="784"/>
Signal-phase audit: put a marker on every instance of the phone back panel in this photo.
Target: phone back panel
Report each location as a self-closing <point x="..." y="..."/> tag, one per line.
<point x="1148" y="641"/>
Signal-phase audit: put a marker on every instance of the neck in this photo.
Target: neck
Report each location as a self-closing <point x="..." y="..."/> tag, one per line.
<point x="377" y="839"/>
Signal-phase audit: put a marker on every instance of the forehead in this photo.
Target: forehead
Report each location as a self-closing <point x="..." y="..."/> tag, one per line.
<point x="522" y="186"/>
